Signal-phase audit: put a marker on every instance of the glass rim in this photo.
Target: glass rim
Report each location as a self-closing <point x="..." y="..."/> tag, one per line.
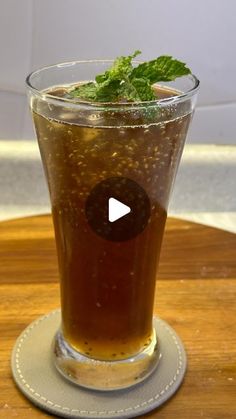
<point x="92" y="104"/>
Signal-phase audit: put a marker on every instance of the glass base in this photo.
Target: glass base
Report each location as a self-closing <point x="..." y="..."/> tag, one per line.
<point x="104" y="375"/>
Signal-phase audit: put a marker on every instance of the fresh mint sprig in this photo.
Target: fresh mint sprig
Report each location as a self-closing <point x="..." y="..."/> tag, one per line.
<point x="123" y="82"/>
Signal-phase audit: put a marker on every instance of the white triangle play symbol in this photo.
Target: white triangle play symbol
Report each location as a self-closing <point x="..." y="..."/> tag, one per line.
<point x="116" y="209"/>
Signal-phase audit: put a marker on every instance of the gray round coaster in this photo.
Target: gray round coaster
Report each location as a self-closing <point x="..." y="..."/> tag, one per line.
<point x="38" y="379"/>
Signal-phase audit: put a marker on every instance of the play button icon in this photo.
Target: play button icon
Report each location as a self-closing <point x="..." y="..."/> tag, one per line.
<point x="117" y="209"/>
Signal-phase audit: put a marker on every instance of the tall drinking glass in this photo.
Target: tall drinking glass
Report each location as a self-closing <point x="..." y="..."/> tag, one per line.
<point x="94" y="153"/>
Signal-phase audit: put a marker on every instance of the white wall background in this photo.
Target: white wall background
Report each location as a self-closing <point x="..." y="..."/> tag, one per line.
<point x="202" y="33"/>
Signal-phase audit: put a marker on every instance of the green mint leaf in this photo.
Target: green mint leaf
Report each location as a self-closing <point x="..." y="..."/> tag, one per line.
<point x="164" y="68"/>
<point x="85" y="91"/>
<point x="123" y="82"/>
<point x="107" y="91"/>
<point x="121" y="68"/>
<point x="144" y="89"/>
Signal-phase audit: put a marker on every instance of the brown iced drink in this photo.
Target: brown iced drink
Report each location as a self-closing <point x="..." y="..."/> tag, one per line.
<point x="107" y="287"/>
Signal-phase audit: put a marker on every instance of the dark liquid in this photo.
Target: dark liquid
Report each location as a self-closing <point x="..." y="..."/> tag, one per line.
<point x="107" y="288"/>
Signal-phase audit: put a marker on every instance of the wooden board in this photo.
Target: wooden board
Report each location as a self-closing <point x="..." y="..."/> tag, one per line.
<point x="196" y="294"/>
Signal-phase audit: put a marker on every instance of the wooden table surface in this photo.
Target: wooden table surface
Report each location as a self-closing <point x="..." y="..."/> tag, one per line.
<point x="196" y="294"/>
